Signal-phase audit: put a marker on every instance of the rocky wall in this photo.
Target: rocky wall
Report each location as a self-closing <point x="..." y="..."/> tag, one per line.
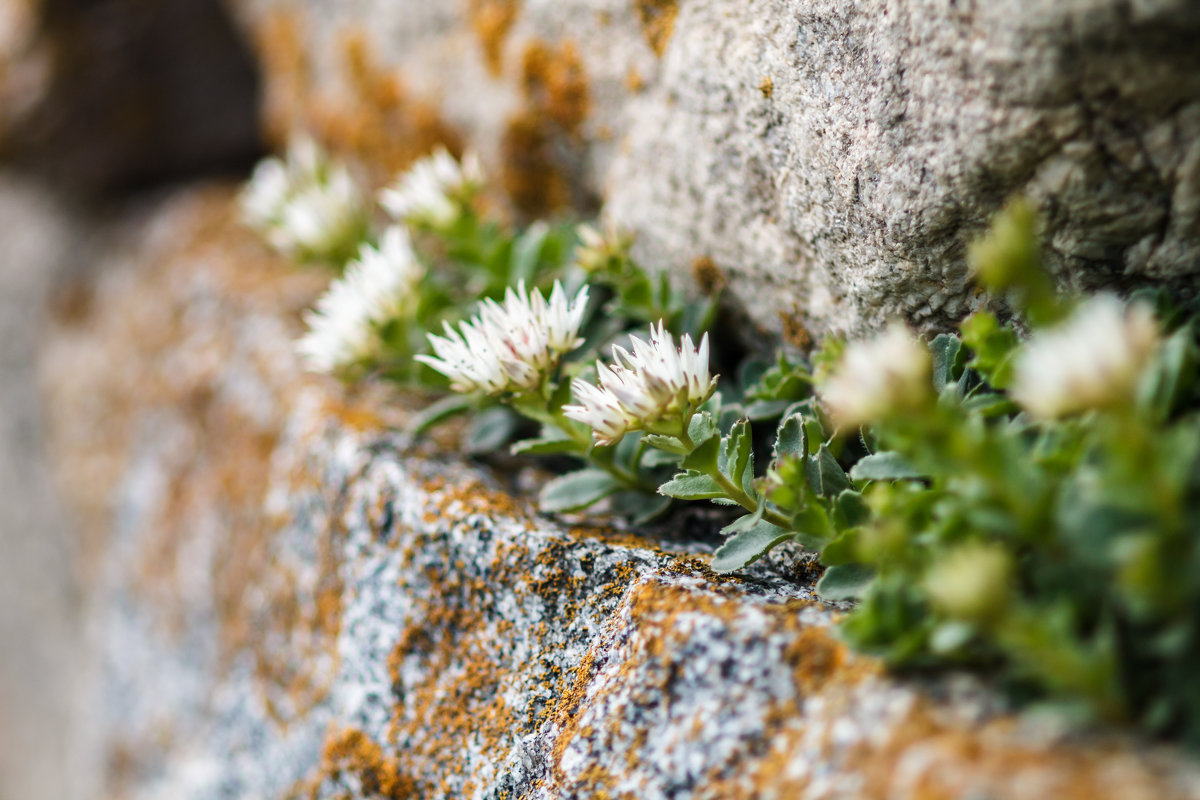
<point x="832" y="157"/>
<point x="288" y="597"/>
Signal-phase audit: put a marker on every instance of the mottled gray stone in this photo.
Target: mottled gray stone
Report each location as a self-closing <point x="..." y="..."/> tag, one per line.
<point x="835" y="157"/>
<point x="382" y="618"/>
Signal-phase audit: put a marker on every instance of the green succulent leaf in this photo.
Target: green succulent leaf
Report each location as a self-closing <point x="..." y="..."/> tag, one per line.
<point x="845" y="582"/>
<point x="577" y="490"/>
<point x="747" y="543"/>
<point x="691" y="485"/>
<point x="885" y="466"/>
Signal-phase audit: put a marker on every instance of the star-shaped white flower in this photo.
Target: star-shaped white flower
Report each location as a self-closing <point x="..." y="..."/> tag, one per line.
<point x="381" y="285"/>
<point x="435" y="190"/>
<point x="511" y="346"/>
<point x="658" y="383"/>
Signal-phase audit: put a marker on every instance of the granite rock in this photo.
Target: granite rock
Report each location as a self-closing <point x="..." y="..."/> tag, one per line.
<point x="289" y="598"/>
<point x="833" y="158"/>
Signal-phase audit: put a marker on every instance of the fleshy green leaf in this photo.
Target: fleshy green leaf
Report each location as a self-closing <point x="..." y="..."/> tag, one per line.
<point x="825" y="475"/>
<point x="791" y="439"/>
<point x="886" y="466"/>
<point x="705" y="457"/>
<point x="747" y="545"/>
<point x="947" y="354"/>
<point x="845" y="582"/>
<point x="443" y="409"/>
<point x="551" y="441"/>
<point x="488" y="431"/>
<point x="668" y="443"/>
<point x="577" y="490"/>
<point x="691" y="486"/>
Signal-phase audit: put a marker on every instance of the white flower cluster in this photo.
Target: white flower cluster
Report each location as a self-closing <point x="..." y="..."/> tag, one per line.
<point x="1092" y="360"/>
<point x="509" y="346"/>
<point x="382" y="285"/>
<point x="435" y="190"/>
<point x="878" y="377"/>
<point x="304" y="206"/>
<point x="657" y="382"/>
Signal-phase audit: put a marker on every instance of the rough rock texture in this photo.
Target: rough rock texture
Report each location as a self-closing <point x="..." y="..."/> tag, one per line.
<point x="833" y="156"/>
<point x="39" y="614"/>
<point x="291" y="600"/>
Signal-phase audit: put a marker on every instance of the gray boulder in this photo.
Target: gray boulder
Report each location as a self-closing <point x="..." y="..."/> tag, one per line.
<point x="833" y="158"/>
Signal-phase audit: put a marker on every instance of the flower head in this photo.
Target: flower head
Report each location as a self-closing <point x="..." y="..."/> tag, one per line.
<point x="971" y="582"/>
<point x="381" y="285"/>
<point x="598" y="251"/>
<point x="510" y="346"/>
<point x="435" y="190"/>
<point x="878" y="377"/>
<point x="656" y="383"/>
<point x="1092" y="360"/>
<point x="304" y="206"/>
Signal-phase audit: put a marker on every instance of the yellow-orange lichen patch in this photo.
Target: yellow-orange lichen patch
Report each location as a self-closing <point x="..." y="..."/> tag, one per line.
<point x="373" y="118"/>
<point x="491" y="20"/>
<point x="543" y="136"/>
<point x="352" y="751"/>
<point x="795" y="332"/>
<point x="658" y="21"/>
<point x="767" y="87"/>
<point x="709" y="278"/>
<point x="554" y="81"/>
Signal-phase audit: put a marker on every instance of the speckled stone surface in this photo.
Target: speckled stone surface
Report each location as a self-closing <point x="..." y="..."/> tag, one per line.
<point x="833" y="157"/>
<point x="288" y="599"/>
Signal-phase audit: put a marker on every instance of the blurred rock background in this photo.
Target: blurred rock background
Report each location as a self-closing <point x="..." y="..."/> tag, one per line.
<point x="832" y="158"/>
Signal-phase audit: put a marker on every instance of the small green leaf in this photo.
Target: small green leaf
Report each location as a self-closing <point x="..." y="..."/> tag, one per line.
<point x="443" y="409"/>
<point x="640" y="507"/>
<point x="886" y="466"/>
<point x="691" y="485"/>
<point x="577" y="490"/>
<point x="668" y="443"/>
<point x="850" y="510"/>
<point x="702" y="427"/>
<point x="705" y="457"/>
<point x="747" y="544"/>
<point x="825" y="475"/>
<point x="527" y="252"/>
<point x="551" y="441"/>
<point x="947" y="355"/>
<point x="659" y="458"/>
<point x="790" y="440"/>
<point x="488" y="431"/>
<point x="842" y="550"/>
<point x="845" y="582"/>
<point x="736" y="460"/>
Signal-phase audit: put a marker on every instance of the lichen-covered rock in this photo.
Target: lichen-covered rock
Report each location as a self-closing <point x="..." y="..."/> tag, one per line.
<point x="833" y="157"/>
<point x="291" y="599"/>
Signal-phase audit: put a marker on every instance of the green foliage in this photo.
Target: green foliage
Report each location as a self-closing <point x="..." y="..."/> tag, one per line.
<point x="1059" y="551"/>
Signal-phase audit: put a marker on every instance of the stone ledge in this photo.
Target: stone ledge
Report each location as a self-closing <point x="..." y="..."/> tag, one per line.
<point x="290" y="600"/>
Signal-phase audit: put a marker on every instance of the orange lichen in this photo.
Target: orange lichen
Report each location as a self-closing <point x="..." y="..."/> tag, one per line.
<point x="767" y="87"/>
<point x="354" y="752"/>
<point x="658" y="21"/>
<point x="491" y="21"/>
<point x="554" y="81"/>
<point x="542" y="138"/>
<point x="794" y="331"/>
<point x="373" y="118"/>
<point x="708" y="276"/>
<point x="634" y="81"/>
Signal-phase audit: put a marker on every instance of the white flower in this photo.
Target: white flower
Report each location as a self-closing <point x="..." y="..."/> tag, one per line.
<point x="435" y="190"/>
<point x="971" y="582"/>
<point x="878" y="377"/>
<point x="304" y="206"/>
<point x="1091" y="360"/>
<point x="382" y="285"/>
<point x="597" y="251"/>
<point x="509" y="347"/>
<point x="657" y="382"/>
